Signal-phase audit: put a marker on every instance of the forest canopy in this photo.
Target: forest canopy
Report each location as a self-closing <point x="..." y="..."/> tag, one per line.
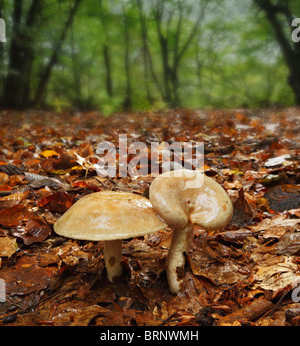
<point x="116" y="55"/>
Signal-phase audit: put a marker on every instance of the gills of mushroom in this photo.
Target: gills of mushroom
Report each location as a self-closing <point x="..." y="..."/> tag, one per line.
<point x="109" y="217"/>
<point x="183" y="198"/>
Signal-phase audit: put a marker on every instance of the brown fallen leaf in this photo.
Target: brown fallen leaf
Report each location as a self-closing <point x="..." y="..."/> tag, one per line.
<point x="283" y="197"/>
<point x="289" y="244"/>
<point x="225" y="271"/>
<point x="10" y="169"/>
<point x="8" y="246"/>
<point x="26" y="276"/>
<point x="276" y="221"/>
<point x="242" y="212"/>
<point x="275" y="273"/>
<point x="34" y="231"/>
<point x="295" y="212"/>
<point x="79" y="316"/>
<point x="59" y="202"/>
<point x="12" y="199"/>
<point x="3" y="178"/>
<point x="247" y="313"/>
<point x="12" y="216"/>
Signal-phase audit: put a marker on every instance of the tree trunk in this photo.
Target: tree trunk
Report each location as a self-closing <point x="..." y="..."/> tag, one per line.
<point x="127" y="104"/>
<point x="45" y="76"/>
<point x="12" y="90"/>
<point x="291" y="52"/>
<point x="171" y="68"/>
<point x="106" y="54"/>
<point x="163" y="41"/>
<point x="148" y="64"/>
<point x="21" y="56"/>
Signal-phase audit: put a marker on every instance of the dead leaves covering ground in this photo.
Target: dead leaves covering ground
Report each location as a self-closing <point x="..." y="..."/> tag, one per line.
<point x="243" y="274"/>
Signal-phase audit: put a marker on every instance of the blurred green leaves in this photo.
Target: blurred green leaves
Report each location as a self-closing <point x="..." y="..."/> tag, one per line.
<point x="230" y="59"/>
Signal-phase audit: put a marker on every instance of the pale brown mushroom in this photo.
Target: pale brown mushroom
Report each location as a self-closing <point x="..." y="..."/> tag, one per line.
<point x="110" y="217"/>
<point x="183" y="198"/>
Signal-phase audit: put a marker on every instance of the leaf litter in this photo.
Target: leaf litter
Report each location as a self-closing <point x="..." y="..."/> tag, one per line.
<point x="243" y="274"/>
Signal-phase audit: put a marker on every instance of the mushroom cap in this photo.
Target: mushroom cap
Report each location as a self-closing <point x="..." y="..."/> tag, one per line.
<point x="109" y="215"/>
<point x="182" y="195"/>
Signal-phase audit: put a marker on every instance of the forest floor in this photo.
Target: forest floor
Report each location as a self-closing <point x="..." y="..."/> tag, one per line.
<point x="245" y="274"/>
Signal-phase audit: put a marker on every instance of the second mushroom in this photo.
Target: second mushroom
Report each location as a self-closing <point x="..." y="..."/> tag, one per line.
<point x="183" y="198"/>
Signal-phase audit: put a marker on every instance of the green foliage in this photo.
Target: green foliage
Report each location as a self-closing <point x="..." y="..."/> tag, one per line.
<point x="231" y="61"/>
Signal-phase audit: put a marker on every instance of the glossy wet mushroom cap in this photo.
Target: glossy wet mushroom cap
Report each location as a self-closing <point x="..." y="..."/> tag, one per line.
<point x="109" y="216"/>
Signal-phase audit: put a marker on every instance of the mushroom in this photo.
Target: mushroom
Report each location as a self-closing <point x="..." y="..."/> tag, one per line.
<point x="183" y="198"/>
<point x="110" y="217"/>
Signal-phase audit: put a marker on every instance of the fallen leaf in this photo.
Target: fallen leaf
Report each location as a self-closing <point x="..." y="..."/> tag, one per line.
<point x="275" y="161"/>
<point x="283" y="197"/>
<point x="58" y="202"/>
<point x="34" y="231"/>
<point x="37" y="181"/>
<point x="79" y="316"/>
<point x="289" y="244"/>
<point x="25" y="277"/>
<point x="276" y="221"/>
<point x="276" y="274"/>
<point x="242" y="212"/>
<point x="49" y="153"/>
<point x="8" y="246"/>
<point x="10" y="169"/>
<point x="219" y="272"/>
<point x="12" y="216"/>
<point x="3" y="178"/>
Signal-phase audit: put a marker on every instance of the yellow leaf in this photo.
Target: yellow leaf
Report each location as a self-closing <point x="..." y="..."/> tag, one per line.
<point x="49" y="153"/>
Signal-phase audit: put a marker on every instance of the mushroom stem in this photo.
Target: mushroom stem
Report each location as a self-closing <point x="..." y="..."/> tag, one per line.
<point x="180" y="245"/>
<point x="112" y="258"/>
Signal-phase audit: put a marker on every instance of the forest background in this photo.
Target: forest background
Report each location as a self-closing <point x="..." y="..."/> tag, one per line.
<point x="122" y="55"/>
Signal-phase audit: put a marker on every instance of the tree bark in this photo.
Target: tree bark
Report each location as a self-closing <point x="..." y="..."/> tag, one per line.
<point x="21" y="56"/>
<point x="46" y="74"/>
